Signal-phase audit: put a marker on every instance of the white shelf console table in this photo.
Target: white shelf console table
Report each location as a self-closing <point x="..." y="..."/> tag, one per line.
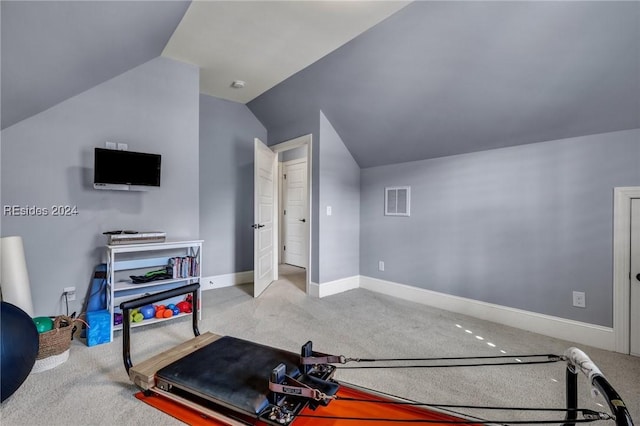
<point x="137" y="259"/>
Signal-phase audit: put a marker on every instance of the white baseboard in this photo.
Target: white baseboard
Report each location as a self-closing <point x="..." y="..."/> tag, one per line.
<point x="334" y="287"/>
<point x="314" y="289"/>
<point x="226" y="280"/>
<point x="560" y="328"/>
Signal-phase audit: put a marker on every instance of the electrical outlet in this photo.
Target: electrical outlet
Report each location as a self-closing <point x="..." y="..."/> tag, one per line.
<point x="110" y="145"/>
<point x="122" y="146"/>
<point x="70" y="292"/>
<point x="579" y="299"/>
<point x="328" y="210"/>
<point x="381" y="265"/>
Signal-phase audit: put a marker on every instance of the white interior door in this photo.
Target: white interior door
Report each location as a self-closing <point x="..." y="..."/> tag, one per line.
<point x="634" y="344"/>
<point x="295" y="213"/>
<point x="265" y="212"/>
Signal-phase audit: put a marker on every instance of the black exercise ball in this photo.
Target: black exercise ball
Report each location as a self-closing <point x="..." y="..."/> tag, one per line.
<point x="19" y="346"/>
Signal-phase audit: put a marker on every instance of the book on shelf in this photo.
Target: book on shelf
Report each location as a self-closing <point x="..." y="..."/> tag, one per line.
<point x="184" y="266"/>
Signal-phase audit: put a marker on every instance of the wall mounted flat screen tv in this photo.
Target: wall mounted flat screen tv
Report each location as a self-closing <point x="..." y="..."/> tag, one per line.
<point x="125" y="170"/>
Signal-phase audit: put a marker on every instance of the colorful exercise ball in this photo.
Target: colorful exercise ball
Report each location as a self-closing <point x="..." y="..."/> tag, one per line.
<point x="136" y="316"/>
<point x="148" y="311"/>
<point x="184" y="306"/>
<point x="19" y="345"/>
<point x="117" y="318"/>
<point x="43" y="324"/>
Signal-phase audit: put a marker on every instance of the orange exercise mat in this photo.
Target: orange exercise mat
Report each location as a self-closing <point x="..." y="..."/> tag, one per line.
<point x="337" y="413"/>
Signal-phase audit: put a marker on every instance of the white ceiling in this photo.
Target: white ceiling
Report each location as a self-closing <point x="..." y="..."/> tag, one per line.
<point x="264" y="42"/>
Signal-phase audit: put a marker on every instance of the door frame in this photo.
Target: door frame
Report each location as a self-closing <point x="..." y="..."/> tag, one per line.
<point x="305" y="140"/>
<point x="622" y="265"/>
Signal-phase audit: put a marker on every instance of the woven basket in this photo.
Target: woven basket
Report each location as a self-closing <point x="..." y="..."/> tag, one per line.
<point x="57" y="340"/>
<point x="50" y="362"/>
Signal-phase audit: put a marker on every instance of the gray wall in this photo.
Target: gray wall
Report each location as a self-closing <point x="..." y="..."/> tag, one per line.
<point x="282" y="127"/>
<point x="287" y="115"/>
<point x="48" y="160"/>
<point x="303" y="118"/>
<point x="466" y="76"/>
<point x="227" y="132"/>
<point x="293" y="154"/>
<point x="340" y="189"/>
<point x="335" y="174"/>
<point x="521" y="227"/>
<point x="53" y="50"/>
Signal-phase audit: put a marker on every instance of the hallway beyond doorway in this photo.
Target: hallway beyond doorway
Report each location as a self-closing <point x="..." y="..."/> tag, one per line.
<point x="293" y="276"/>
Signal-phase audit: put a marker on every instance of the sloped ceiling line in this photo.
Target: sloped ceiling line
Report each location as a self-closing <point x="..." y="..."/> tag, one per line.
<point x="445" y="78"/>
<point x="400" y="81"/>
<point x="53" y="50"/>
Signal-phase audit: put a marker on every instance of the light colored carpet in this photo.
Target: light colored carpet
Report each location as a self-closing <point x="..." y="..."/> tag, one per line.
<point x="92" y="387"/>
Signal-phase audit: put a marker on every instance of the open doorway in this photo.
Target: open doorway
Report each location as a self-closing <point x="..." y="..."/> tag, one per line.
<point x="626" y="270"/>
<point x="294" y="211"/>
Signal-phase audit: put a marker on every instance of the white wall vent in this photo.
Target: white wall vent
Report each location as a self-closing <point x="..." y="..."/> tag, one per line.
<point x="397" y="201"/>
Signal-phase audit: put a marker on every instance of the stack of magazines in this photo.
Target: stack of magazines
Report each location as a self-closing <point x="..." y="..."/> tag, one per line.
<point x="134" y="237"/>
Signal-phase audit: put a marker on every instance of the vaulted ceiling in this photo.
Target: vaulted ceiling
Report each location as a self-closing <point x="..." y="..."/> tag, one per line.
<point x="53" y="50"/>
<point x="261" y="43"/>
<point x="398" y="82"/>
<point x="445" y="78"/>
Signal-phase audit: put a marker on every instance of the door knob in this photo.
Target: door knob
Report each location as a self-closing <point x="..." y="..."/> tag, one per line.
<point x="638" y="277"/>
<point x="257" y="225"/>
<point x="304" y="220"/>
